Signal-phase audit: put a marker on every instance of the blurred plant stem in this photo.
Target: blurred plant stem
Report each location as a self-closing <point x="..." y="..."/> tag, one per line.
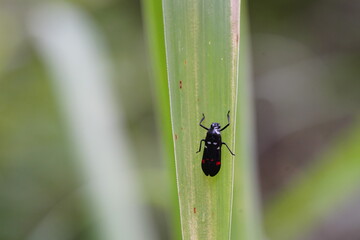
<point x="153" y="20"/>
<point x="77" y="61"/>
<point x="246" y="219"/>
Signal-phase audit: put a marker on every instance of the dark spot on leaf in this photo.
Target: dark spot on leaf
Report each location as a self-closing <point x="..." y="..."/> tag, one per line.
<point x="180" y="84"/>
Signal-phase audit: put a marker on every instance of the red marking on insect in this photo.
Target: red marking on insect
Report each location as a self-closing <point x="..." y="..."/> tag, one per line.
<point x="212" y="160"/>
<point x="176" y="137"/>
<point x="203" y="161"/>
<point x="194" y="210"/>
<point x="180" y="84"/>
<point x="218" y="163"/>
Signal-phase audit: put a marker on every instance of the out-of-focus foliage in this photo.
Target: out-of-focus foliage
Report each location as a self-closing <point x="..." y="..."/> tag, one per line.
<point x="311" y="197"/>
<point x="37" y="176"/>
<point x="305" y="61"/>
<point x="41" y="190"/>
<point x="154" y="28"/>
<point x="307" y="91"/>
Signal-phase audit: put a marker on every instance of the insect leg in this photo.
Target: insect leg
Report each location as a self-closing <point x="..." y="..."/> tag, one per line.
<point x="228" y="117"/>
<point x="228" y="148"/>
<point x="202" y="121"/>
<point x="203" y="140"/>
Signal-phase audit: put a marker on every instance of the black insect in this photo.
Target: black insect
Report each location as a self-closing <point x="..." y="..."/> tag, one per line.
<point x="211" y="161"/>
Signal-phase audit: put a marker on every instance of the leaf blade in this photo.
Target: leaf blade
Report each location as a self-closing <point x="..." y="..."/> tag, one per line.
<point x="202" y="53"/>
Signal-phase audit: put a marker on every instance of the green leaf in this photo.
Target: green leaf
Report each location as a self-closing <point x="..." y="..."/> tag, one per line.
<point x="202" y="59"/>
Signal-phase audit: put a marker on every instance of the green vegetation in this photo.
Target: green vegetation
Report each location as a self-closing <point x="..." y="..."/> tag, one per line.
<point x="208" y="66"/>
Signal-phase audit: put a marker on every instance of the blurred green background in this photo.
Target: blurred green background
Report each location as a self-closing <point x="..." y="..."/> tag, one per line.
<point x="306" y="57"/>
